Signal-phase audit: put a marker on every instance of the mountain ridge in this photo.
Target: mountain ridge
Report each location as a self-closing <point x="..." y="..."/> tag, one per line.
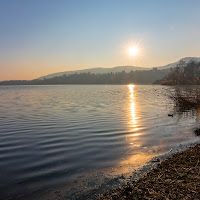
<point x="126" y="68"/>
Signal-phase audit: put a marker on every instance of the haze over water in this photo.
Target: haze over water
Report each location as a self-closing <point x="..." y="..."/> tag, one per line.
<point x="53" y="136"/>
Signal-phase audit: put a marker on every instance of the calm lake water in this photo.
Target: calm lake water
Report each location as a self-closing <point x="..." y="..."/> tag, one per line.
<point x="71" y="138"/>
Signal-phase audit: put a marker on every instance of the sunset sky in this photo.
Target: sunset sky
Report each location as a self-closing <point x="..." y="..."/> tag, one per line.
<point x="39" y="37"/>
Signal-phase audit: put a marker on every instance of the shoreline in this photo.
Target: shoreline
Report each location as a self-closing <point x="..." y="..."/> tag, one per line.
<point x="112" y="186"/>
<point x="107" y="187"/>
<point x="176" y="177"/>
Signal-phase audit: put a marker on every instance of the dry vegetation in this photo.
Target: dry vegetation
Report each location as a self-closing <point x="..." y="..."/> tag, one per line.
<point x="186" y="97"/>
<point x="177" y="177"/>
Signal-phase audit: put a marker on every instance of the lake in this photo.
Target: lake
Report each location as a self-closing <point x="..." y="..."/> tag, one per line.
<point x="65" y="140"/>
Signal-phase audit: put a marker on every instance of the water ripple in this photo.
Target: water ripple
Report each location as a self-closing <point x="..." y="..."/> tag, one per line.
<point x="53" y="135"/>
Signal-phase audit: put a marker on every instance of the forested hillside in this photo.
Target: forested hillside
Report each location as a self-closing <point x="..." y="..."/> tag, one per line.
<point x="183" y="74"/>
<point x="135" y="77"/>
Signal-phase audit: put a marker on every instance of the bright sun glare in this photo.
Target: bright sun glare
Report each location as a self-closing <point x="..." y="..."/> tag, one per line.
<point x="133" y="51"/>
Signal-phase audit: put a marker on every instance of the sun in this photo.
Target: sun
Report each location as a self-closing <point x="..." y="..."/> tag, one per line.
<point x="133" y="51"/>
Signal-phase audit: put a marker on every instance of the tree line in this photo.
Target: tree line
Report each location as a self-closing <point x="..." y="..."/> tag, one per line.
<point x="183" y="74"/>
<point x="134" y="77"/>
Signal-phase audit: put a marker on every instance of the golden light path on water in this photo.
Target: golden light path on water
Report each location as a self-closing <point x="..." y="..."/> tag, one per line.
<point x="139" y="154"/>
<point x="134" y="125"/>
<point x="132" y="108"/>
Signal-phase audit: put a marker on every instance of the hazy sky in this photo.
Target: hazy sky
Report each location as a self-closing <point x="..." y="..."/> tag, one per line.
<point x="39" y="37"/>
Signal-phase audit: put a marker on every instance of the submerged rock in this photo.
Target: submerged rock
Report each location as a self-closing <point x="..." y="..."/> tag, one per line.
<point x="155" y="160"/>
<point x="197" y="132"/>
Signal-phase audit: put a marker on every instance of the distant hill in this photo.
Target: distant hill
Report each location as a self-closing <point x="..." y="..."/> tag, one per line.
<point x="175" y="73"/>
<point x="186" y="60"/>
<point x="186" y="74"/>
<point x="96" y="71"/>
<point x="136" y="77"/>
<point x="118" y="69"/>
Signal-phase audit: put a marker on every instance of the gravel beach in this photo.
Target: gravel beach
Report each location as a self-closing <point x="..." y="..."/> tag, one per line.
<point x="177" y="177"/>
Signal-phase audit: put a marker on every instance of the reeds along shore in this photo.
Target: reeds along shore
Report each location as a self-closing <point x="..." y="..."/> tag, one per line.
<point x="186" y="97"/>
<point x="177" y="177"/>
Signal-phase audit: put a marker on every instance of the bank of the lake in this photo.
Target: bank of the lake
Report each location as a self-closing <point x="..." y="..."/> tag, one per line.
<point x="177" y="177"/>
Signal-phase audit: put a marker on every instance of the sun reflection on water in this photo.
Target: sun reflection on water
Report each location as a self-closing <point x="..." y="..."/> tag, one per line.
<point x="132" y="107"/>
<point x="139" y="153"/>
<point x="132" y="138"/>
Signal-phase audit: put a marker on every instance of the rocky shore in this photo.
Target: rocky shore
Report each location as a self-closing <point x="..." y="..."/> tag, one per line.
<point x="177" y="177"/>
